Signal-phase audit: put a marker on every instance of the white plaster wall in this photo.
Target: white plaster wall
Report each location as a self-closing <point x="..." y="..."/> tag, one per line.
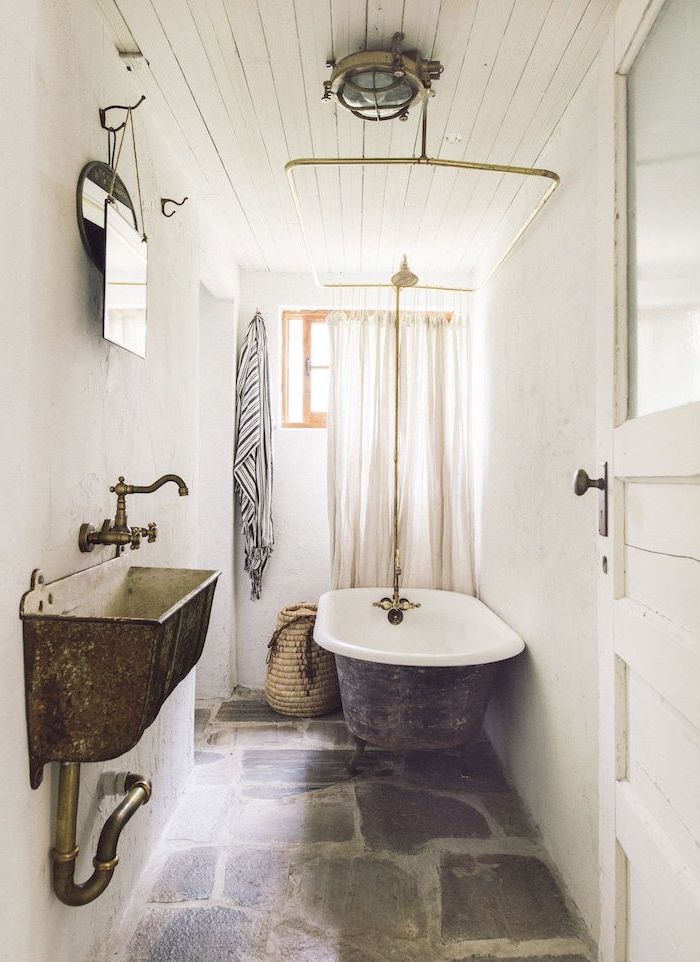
<point x="534" y="423"/>
<point x="76" y="412"/>
<point x="216" y="672"/>
<point x="299" y="569"/>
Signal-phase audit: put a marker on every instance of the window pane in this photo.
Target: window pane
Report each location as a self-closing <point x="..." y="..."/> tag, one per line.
<point x="319" y="390"/>
<point x="295" y="370"/>
<point x="320" y="347"/>
<point x="664" y="213"/>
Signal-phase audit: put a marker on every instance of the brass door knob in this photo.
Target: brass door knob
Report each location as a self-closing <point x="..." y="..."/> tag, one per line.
<point x="583" y="483"/>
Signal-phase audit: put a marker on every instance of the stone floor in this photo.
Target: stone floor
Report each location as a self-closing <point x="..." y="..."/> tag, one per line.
<point x="276" y="855"/>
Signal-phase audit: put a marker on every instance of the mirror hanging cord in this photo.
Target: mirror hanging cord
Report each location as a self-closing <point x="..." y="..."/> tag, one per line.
<point x="112" y="149"/>
<point x="138" y="179"/>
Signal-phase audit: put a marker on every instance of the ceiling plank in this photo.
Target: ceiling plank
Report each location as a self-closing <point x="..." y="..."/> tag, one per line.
<point x="383" y="21"/>
<point x="486" y="36"/>
<point x="279" y="26"/>
<point x="187" y="46"/>
<point x="564" y="20"/>
<point x="314" y="29"/>
<point x="520" y="35"/>
<point x="248" y="37"/>
<point x="566" y="79"/>
<point x="173" y="88"/>
<point x="349" y="30"/>
<point x="450" y="42"/>
<point x="214" y="27"/>
<point x="236" y="86"/>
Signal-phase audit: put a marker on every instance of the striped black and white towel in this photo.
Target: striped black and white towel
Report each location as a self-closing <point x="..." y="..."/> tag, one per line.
<point x="252" y="467"/>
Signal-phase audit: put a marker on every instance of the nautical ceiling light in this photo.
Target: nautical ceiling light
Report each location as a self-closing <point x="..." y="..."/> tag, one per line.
<point x="381" y="84"/>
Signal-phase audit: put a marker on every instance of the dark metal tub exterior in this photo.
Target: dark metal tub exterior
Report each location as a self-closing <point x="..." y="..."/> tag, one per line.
<point x="414" y="707"/>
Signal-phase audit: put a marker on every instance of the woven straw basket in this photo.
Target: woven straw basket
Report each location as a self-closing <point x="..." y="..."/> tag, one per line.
<point x="301" y="677"/>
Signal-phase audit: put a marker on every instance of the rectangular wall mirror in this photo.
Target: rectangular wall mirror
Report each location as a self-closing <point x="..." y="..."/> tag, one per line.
<point x="125" y="283"/>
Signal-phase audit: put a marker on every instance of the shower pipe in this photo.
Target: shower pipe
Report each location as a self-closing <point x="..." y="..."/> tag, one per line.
<point x="395" y="606"/>
<point x="137" y="791"/>
<point x="425" y="161"/>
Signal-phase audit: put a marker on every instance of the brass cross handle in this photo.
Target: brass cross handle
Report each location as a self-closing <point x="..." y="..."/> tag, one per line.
<point x="150" y="533"/>
<point x="385" y="604"/>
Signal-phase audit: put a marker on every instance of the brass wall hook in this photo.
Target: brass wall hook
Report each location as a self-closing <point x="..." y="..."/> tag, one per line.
<point x="169" y="200"/>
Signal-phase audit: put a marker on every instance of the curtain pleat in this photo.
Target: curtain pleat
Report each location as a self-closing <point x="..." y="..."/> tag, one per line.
<point x="434" y="522"/>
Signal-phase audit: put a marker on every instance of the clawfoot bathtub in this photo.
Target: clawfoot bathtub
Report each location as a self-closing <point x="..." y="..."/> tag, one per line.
<point x="423" y="684"/>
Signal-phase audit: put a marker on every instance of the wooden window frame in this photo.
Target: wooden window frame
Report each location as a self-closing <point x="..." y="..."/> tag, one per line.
<point x="311" y="419"/>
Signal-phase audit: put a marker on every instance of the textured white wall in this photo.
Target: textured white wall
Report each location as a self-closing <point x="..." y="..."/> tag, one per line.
<point x="216" y="672"/>
<point x="535" y="420"/>
<point x="76" y="412"/>
<point x="299" y="569"/>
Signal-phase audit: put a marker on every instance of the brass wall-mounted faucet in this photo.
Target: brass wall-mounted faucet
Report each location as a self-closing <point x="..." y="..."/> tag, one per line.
<point x="396" y="605"/>
<point x="117" y="533"/>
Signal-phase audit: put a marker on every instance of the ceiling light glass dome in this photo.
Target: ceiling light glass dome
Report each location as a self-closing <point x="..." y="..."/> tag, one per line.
<point x="381" y="84"/>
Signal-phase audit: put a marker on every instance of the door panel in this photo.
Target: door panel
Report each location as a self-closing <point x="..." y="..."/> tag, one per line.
<point x="664" y="766"/>
<point x="668" y="585"/>
<point x="647" y="927"/>
<point x="662" y="653"/>
<point x="664" y="518"/>
<point x="655" y="476"/>
<point x="661" y="885"/>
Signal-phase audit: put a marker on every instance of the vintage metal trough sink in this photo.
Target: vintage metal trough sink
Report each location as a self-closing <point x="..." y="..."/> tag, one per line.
<point x="103" y="649"/>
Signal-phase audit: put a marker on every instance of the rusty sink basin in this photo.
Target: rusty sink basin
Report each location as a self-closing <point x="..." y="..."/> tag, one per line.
<point x="103" y="649"/>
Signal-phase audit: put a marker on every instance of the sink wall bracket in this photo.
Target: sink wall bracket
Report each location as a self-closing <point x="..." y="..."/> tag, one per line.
<point x="137" y="793"/>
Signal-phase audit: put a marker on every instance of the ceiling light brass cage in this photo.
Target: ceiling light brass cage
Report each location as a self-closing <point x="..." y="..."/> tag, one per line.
<point x="381" y="84"/>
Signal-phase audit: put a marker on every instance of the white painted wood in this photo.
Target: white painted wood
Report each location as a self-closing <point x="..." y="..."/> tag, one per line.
<point x="666" y="585"/>
<point x="665" y="874"/>
<point x="646" y="926"/>
<point x="170" y="79"/>
<point x="239" y="85"/>
<point x="660" y="445"/>
<point x="621" y="719"/>
<point x="633" y="21"/>
<point x="664" y="518"/>
<point x="123" y="37"/>
<point x="655" y="605"/>
<point x="662" y="653"/>
<point x="667" y="782"/>
<point x="562" y="84"/>
<point x="515" y="52"/>
<point x="349" y="26"/>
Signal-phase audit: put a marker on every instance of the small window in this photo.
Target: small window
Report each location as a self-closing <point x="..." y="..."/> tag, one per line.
<point x="305" y="369"/>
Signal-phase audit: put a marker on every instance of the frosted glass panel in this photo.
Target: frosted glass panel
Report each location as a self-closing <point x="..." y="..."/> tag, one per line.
<point x="319" y="390"/>
<point x="295" y="371"/>
<point x="320" y="346"/>
<point x="664" y="213"/>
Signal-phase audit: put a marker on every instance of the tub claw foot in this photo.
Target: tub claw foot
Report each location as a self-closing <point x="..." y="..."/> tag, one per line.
<point x="360" y="745"/>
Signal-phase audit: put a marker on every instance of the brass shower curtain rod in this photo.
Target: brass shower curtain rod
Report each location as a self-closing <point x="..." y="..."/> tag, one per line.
<point x="423" y="161"/>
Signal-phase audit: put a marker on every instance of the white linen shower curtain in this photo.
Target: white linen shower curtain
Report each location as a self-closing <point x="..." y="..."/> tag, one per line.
<point x="435" y="534"/>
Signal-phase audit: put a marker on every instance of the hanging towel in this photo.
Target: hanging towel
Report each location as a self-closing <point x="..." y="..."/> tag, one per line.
<point x="252" y="467"/>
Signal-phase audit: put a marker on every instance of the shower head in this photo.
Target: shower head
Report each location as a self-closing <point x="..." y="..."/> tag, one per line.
<point x="404" y="277"/>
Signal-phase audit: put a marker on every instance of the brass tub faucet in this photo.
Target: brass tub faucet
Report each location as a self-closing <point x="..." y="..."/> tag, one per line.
<point x="117" y="533"/>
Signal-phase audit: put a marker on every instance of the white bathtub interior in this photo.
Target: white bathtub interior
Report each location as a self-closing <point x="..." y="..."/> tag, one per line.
<point x="449" y="628"/>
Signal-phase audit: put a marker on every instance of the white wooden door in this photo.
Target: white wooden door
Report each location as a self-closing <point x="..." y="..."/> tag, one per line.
<point x="655" y="483"/>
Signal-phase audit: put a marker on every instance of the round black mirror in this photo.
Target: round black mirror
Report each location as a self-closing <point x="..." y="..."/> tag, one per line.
<point x="96" y="183"/>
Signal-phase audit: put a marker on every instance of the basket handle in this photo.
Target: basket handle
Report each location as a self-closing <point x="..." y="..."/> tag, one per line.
<point x="272" y="644"/>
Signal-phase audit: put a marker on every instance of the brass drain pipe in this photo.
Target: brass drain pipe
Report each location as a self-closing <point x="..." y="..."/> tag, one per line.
<point x="137" y="792"/>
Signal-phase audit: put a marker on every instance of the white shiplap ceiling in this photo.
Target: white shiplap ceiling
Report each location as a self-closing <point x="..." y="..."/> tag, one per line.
<point x="237" y="86"/>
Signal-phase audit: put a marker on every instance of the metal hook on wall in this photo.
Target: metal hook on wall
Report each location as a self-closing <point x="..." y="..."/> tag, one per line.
<point x="103" y="114"/>
<point x="169" y="200"/>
